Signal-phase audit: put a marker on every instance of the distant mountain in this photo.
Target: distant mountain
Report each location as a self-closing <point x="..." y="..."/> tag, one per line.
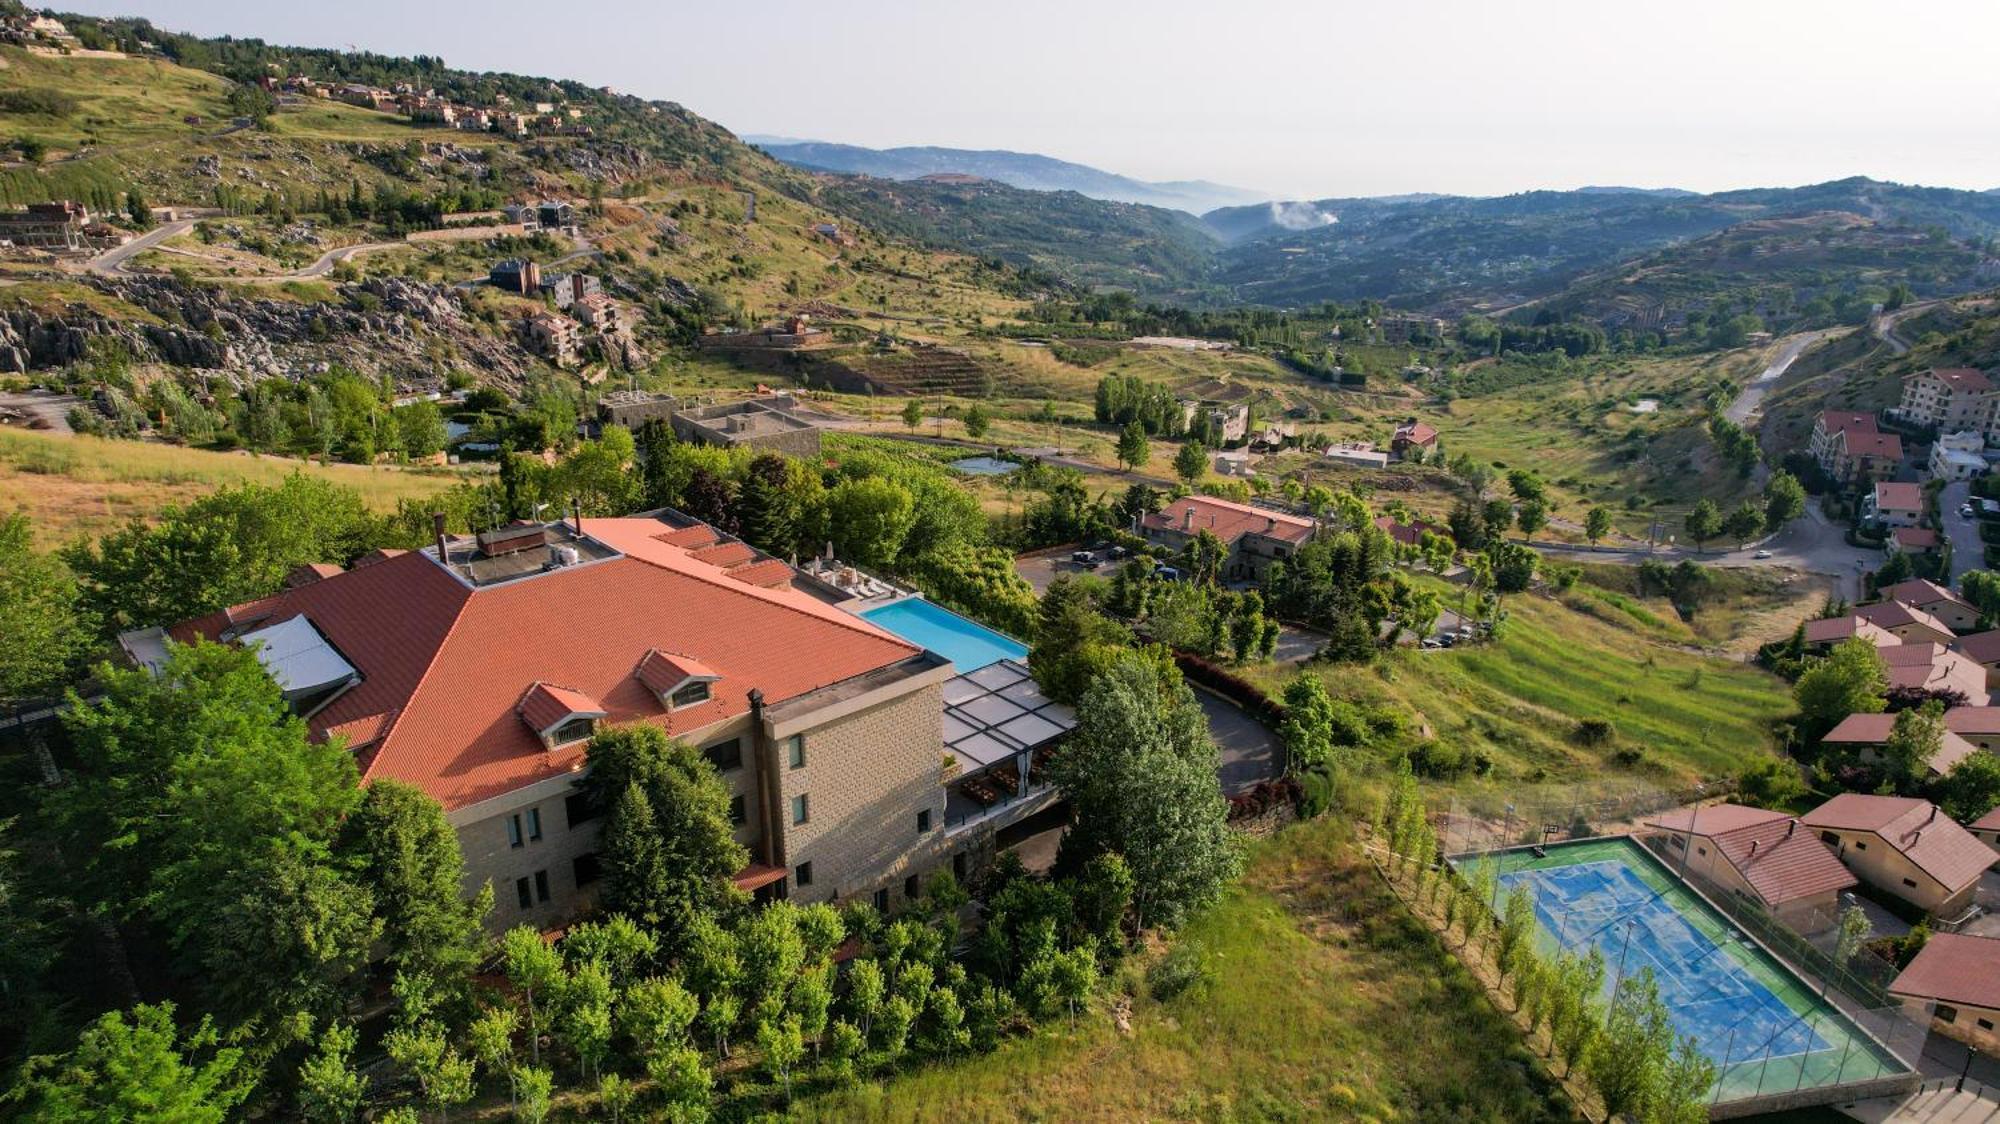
<point x="1026" y="170"/>
<point x="1657" y="192"/>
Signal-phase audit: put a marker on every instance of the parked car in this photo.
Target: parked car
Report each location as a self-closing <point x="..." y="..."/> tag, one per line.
<point x="1965" y="511"/>
<point x="1085" y="559"/>
<point x="1762" y="554"/>
<point x="1167" y="573"/>
<point x="1118" y="553"/>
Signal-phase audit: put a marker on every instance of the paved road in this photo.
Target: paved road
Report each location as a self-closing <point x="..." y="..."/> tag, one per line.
<point x="1752" y="396"/>
<point x="1967" y="552"/>
<point x="1810" y="543"/>
<point x="1249" y="751"/>
<point x="111" y="262"/>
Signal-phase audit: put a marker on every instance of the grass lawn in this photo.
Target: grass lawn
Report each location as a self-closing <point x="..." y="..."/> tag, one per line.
<point x="1679" y="714"/>
<point x="1330" y="1002"/>
<point x="74" y="486"/>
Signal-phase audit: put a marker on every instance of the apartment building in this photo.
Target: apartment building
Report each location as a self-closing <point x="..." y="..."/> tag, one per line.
<point x="1949" y="400"/>
<point x="478" y="668"/>
<point x="1851" y="448"/>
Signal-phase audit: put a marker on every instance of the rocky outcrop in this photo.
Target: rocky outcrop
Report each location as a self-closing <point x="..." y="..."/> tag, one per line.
<point x="389" y="325"/>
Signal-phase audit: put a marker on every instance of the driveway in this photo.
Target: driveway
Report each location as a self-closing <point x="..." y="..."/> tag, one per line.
<point x="1967" y="552"/>
<point x="1250" y="753"/>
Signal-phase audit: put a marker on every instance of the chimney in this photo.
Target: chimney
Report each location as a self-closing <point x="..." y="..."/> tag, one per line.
<point x="576" y="513"/>
<point x="1187" y="518"/>
<point x="1753" y="847"/>
<point x="1270" y="524"/>
<point x="1791" y="827"/>
<point x="437" y="526"/>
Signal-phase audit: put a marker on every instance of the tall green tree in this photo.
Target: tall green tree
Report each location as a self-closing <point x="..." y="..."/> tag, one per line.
<point x="140" y="1069"/>
<point x="1597" y="524"/>
<point x="689" y="807"/>
<point x="41" y="615"/>
<point x="913" y="413"/>
<point x="1191" y="462"/>
<point x="1784" y="500"/>
<point x="1851" y="679"/>
<point x="1531" y="515"/>
<point x="1140" y="775"/>
<point x="1914" y="740"/>
<point x="1742" y="524"/>
<point x="1133" y="448"/>
<point x="400" y="845"/>
<point x="869" y="517"/>
<point x="1971" y="789"/>
<point x="1703" y="523"/>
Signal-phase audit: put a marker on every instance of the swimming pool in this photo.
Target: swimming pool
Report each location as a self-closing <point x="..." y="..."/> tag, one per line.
<point x="967" y="644"/>
<point x="1762" y="1026"/>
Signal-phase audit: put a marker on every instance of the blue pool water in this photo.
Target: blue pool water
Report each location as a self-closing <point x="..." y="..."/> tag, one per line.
<point x="984" y="466"/>
<point x="968" y="645"/>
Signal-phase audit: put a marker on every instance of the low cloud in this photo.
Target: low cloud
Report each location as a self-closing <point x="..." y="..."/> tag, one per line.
<point x="1301" y="216"/>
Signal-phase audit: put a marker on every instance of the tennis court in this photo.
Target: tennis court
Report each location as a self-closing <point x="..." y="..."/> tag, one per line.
<point x="1764" y="1028"/>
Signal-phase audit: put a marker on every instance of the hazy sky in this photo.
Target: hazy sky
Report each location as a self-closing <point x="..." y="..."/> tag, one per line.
<point x="1300" y="99"/>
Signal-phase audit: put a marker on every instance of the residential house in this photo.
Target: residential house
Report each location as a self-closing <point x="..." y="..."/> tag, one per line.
<point x="1979" y="725"/>
<point x="1906" y="622"/>
<point x="1235" y="462"/>
<point x="1828" y="631"/>
<point x="1956" y="978"/>
<point x="1867" y="734"/>
<point x="1253" y="537"/>
<point x="1948" y="399"/>
<point x="1411" y="533"/>
<point x="478" y="668"/>
<point x="1413" y="436"/>
<point x="63" y="225"/>
<point x="555" y="338"/>
<point x="1905" y="847"/>
<point x="1956" y="612"/>
<point x="634" y="408"/>
<point x="1912" y="540"/>
<point x="1361" y="454"/>
<point x="1933" y="667"/>
<point x="1894" y="504"/>
<point x="1986" y="829"/>
<point x="1851" y="448"/>
<point x="600" y="312"/>
<point x="1763" y="857"/>
<point x="1982" y="648"/>
<point x="1958" y="456"/>
<point x="515" y="275"/>
<point x="1228" y="423"/>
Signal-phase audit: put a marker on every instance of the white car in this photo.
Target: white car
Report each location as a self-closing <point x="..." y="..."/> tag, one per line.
<point x="1965" y="511"/>
<point x="1762" y="554"/>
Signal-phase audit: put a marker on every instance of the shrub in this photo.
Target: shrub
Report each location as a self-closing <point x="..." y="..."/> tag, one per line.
<point x="1440" y="761"/>
<point x="1183" y="969"/>
<point x="1594" y="731"/>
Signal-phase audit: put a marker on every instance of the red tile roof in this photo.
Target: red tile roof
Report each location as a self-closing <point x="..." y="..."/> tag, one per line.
<point x="1846" y="421"/>
<point x="1973" y="720"/>
<point x="699" y="535"/>
<point x="1895" y="614"/>
<point x="1988" y="822"/>
<point x="1915" y="538"/>
<point x="1923" y="593"/>
<point x="1868" y="443"/>
<point x="1409" y="534"/>
<point x="1934" y="667"/>
<point x="1916" y="828"/>
<point x="310" y="573"/>
<point x="1894" y="495"/>
<point x="1962" y="378"/>
<point x="1980" y="647"/>
<point x="1779" y="861"/>
<point x="1416" y="433"/>
<point x="724" y="555"/>
<point x="1954" y="968"/>
<point x="544" y="706"/>
<point x="663" y="671"/>
<point x="447" y="664"/>
<point x="1862" y="729"/>
<point x="1832" y="630"/>
<point x="1229" y="521"/>
<point x="769" y="573"/>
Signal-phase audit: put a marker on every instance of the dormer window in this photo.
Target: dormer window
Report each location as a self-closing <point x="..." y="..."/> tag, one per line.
<point x="559" y="716"/>
<point x="676" y="680"/>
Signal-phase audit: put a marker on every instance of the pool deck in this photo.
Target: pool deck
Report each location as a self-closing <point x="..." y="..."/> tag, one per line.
<point x="1757" y="1083"/>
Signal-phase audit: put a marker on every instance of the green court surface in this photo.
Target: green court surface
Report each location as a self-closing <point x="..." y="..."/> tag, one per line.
<point x="1765" y="1029"/>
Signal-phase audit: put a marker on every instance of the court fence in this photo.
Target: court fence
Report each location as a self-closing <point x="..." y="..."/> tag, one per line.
<point x="1768" y="1075"/>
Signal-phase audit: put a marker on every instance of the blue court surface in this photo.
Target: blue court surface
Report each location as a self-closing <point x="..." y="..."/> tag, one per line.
<point x="1763" y="1027"/>
<point x="969" y="645"/>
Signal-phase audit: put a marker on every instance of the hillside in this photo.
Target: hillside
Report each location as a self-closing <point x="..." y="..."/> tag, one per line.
<point x="1065" y="233"/>
<point x="1027" y="170"/>
<point x="1455" y="254"/>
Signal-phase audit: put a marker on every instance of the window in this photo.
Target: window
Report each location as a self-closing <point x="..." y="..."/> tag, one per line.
<point x="586" y="869"/>
<point x="923" y="821"/>
<point x="1984" y="1024"/>
<point x="795" y="748"/>
<point x="688" y="694"/>
<point x="579" y="808"/>
<point x="541" y="885"/>
<point x="1860" y="846"/>
<point x="513" y="831"/>
<point x="1910" y="882"/>
<point x="521" y="891"/>
<point x="1677" y="841"/>
<point x="1701" y="850"/>
<point x="534" y="824"/>
<point x="1946" y="1014"/>
<point x="804" y="874"/>
<point x="737" y="815"/>
<point x="1829" y="838"/>
<point x="910" y="887"/>
<point x="882" y="900"/>
<point x="574" y="730"/>
<point x="725" y="755"/>
<point x="799" y="809"/>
